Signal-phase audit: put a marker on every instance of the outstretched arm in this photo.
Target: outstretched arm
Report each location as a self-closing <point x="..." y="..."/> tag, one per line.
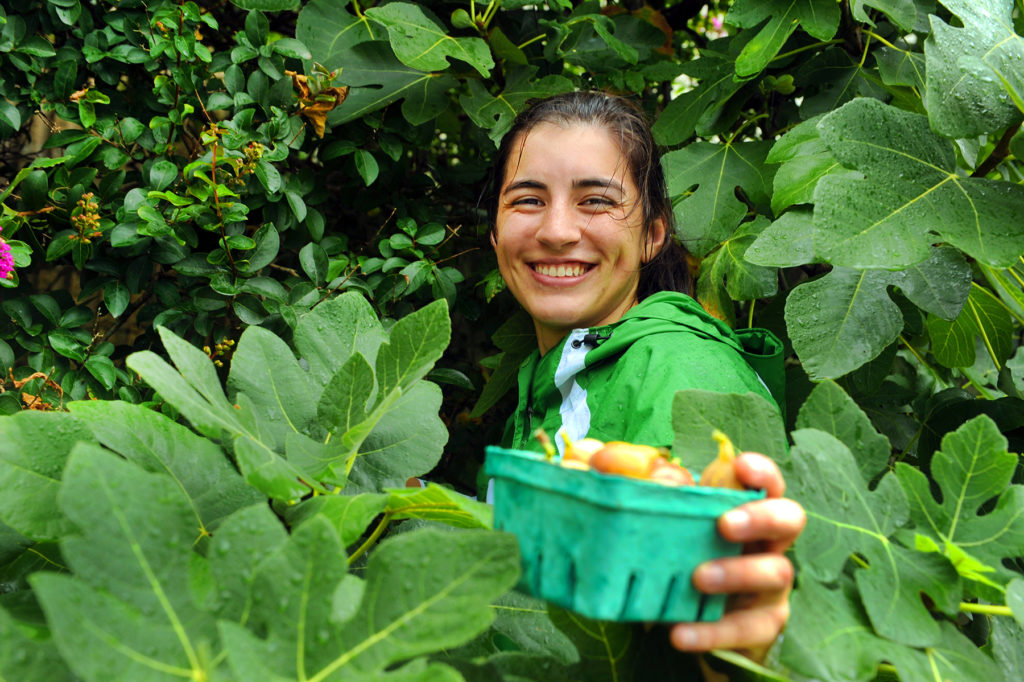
<point x="759" y="581"/>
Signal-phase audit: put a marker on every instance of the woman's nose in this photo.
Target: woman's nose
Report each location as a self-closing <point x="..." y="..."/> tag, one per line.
<point x="559" y="227"/>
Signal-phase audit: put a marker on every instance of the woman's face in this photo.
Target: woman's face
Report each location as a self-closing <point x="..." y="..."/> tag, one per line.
<point x="568" y="230"/>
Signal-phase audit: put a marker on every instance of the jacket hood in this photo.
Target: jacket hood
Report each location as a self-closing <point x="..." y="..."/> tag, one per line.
<point x="664" y="311"/>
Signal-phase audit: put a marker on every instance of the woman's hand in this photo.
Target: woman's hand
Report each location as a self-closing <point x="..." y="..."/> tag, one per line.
<point x="758" y="581"/>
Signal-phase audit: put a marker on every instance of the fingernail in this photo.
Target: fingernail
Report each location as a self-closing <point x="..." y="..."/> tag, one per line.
<point x="711" y="576"/>
<point x="686" y="637"/>
<point x="738" y="520"/>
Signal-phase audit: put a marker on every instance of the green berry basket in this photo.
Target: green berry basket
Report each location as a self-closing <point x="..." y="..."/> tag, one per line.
<point x="610" y="547"/>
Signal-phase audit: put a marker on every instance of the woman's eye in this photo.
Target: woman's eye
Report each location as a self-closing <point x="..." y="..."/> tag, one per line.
<point x="526" y="201"/>
<point x="598" y="202"/>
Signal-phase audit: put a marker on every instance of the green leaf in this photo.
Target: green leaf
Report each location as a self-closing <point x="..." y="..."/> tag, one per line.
<point x="727" y="268"/>
<point x="268" y="243"/>
<point x="414" y="344"/>
<point x="837" y="643"/>
<point x="329" y="31"/>
<point x="268" y="176"/>
<point x="313" y="260"/>
<point x="264" y="368"/>
<point x="242" y="541"/>
<point x="128" y="607"/>
<point x="407" y="439"/>
<point x="349" y="514"/>
<point x="67" y="344"/>
<point x="707" y="215"/>
<point x="9" y="115"/>
<point x="34" y="447"/>
<point x="972" y="468"/>
<point x="438" y="503"/>
<point x="902" y="12"/>
<point x="887" y="220"/>
<point x="820" y="19"/>
<point x="805" y="159"/>
<point x="397" y="619"/>
<point x="162" y="173"/>
<point x="496" y="113"/>
<point x="367" y="166"/>
<point x="266" y="5"/>
<point x="333" y="331"/>
<point x="159" y="445"/>
<point x="102" y="369"/>
<point x="378" y="79"/>
<point x="751" y="422"/>
<point x="27" y="658"/>
<point x="116" y="297"/>
<point x="828" y="408"/>
<point x="1015" y="598"/>
<point x="975" y="81"/>
<point x="420" y="41"/>
<point x="846" y="318"/>
<point x="606" y="650"/>
<point x="268" y="472"/>
<point x="953" y="342"/>
<point x="692" y="110"/>
<point x="787" y="242"/>
<point x="343" y="403"/>
<point x="845" y="518"/>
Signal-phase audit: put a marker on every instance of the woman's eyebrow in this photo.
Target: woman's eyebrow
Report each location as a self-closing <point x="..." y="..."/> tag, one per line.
<point x="524" y="184"/>
<point x="607" y="183"/>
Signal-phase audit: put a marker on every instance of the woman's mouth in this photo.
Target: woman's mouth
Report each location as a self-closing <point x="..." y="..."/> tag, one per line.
<point x="561" y="269"/>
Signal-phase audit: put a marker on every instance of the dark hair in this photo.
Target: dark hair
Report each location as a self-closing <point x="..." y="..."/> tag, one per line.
<point x="667" y="270"/>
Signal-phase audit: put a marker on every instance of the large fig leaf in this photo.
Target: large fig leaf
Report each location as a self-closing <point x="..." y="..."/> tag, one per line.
<point x="158" y="444"/>
<point x="378" y="79"/>
<point x="282" y="400"/>
<point x="707" y="216"/>
<point x="828" y="408"/>
<point x="846" y="318"/>
<point x="971" y="468"/>
<point x="328" y="30"/>
<point x="26" y="658"/>
<point x="414" y="344"/>
<point x="975" y="74"/>
<point x="606" y="649"/>
<point x="34" y="447"/>
<point x="332" y="331"/>
<point x="845" y="519"/>
<point x="787" y="242"/>
<point x="911" y="195"/>
<point x="420" y="41"/>
<point x="496" y="113"/>
<point x="244" y="540"/>
<point x="750" y="421"/>
<point x="127" y="613"/>
<point x="398" y="618"/>
<point x="406" y="440"/>
<point x="804" y="160"/>
<point x="820" y="19"/>
<point x="837" y="643"/>
<point x="984" y="316"/>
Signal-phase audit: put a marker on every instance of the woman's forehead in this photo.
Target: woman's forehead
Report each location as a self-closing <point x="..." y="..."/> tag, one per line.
<point x="554" y="149"/>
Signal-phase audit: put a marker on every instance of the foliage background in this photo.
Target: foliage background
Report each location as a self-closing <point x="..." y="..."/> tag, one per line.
<point x="181" y="177"/>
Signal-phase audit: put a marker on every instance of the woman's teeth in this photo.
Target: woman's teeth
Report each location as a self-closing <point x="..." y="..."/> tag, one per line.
<point x="561" y="270"/>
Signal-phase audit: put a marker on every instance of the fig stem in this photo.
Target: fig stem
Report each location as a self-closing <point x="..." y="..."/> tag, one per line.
<point x="545" y="442"/>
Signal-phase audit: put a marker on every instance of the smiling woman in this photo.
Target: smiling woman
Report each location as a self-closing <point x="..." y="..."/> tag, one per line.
<point x="583" y="232"/>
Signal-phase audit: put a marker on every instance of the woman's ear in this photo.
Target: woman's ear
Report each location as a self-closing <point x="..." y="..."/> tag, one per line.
<point x="494" y="238"/>
<point x="655" y="239"/>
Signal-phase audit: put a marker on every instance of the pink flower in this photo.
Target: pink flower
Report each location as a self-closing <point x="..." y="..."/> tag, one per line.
<point x="716" y="21"/>
<point x="6" y="259"/>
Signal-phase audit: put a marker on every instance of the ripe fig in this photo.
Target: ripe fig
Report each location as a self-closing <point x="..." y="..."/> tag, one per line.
<point x="720" y="473"/>
<point x="580" y="450"/>
<point x="626" y="459"/>
<point x="670" y="473"/>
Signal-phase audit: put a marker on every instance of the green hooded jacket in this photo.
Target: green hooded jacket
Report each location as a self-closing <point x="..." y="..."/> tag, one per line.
<point x="617" y="381"/>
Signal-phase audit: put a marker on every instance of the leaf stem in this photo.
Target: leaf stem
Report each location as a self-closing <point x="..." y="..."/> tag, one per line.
<point x="988" y="609"/>
<point x="805" y="48"/>
<point x="860" y="562"/>
<point x="872" y="34"/>
<point x="921" y="359"/>
<point x="532" y="40"/>
<point x="374" y="536"/>
<point x="1000" y="152"/>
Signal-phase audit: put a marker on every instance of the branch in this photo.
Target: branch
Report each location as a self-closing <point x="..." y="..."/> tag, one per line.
<point x="998" y="154"/>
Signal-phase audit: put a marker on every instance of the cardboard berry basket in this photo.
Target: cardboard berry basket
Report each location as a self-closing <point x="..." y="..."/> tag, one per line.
<point x="610" y="547"/>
